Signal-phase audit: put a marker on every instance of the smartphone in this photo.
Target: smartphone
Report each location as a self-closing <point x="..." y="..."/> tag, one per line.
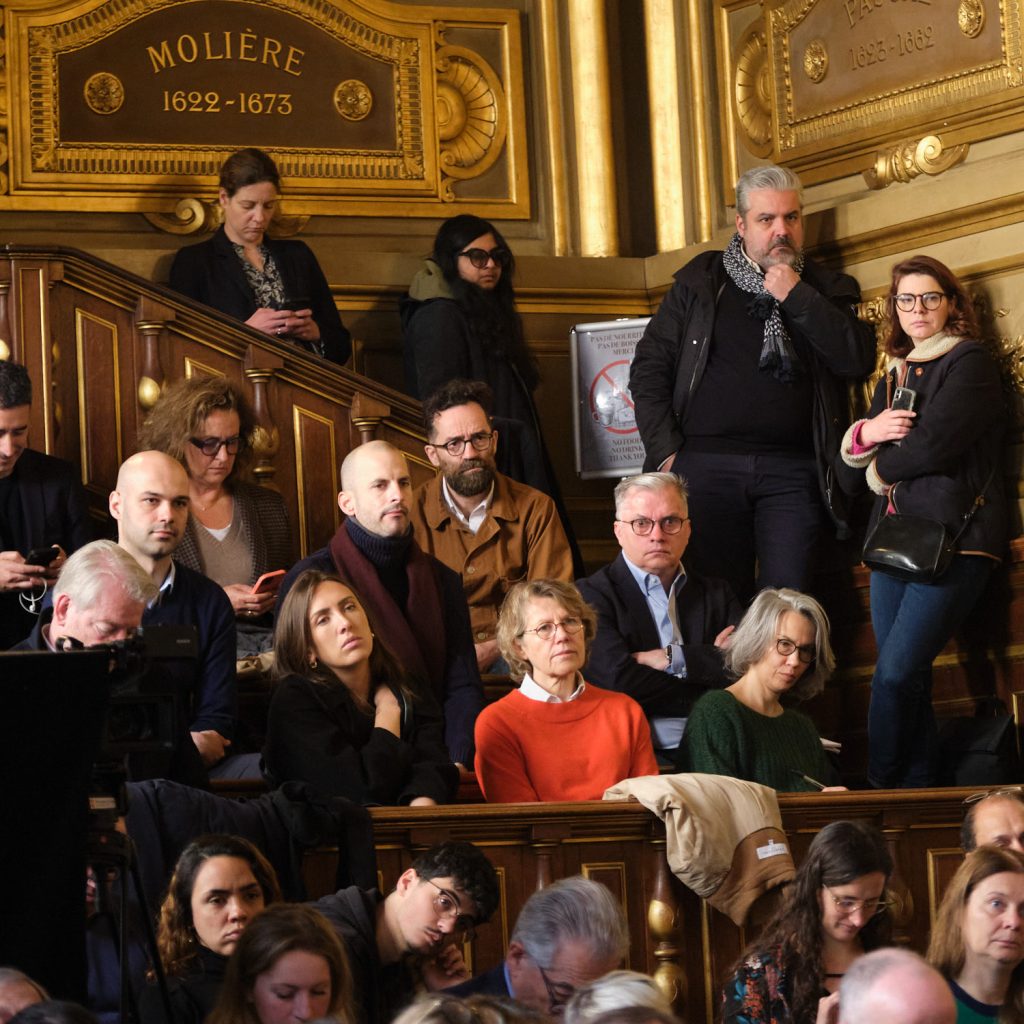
<point x="296" y="302"/>
<point x="42" y="556"/>
<point x="903" y="398"/>
<point x="268" y="581"/>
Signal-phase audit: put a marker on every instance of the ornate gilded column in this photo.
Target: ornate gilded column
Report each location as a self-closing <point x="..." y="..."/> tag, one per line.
<point x="663" y="90"/>
<point x="592" y="121"/>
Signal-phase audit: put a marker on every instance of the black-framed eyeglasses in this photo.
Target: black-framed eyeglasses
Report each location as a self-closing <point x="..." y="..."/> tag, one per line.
<point x="805" y="652"/>
<point x="480" y="441"/>
<point x="209" y="446"/>
<point x="642" y="526"/>
<point x="481" y="257"/>
<point x="906" y="301"/>
<point x="1013" y="791"/>
<point x="546" y="630"/>
<point x="559" y="992"/>
<point x="847" y="905"/>
<point x="446" y="906"/>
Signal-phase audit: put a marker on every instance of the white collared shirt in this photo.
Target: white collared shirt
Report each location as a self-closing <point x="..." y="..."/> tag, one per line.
<point x="476" y="517"/>
<point x="165" y="588"/>
<point x="528" y="688"/>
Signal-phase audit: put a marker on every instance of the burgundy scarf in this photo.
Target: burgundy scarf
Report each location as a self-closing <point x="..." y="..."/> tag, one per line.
<point x="418" y="641"/>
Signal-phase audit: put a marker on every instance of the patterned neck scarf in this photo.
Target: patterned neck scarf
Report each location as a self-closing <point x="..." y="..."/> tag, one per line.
<point x="777" y="355"/>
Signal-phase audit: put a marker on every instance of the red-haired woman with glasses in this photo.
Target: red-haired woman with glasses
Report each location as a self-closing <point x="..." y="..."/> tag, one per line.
<point x="931" y="451"/>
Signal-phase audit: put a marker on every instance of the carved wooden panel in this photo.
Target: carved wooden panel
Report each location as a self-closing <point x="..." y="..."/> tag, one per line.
<point x="316" y="482"/>
<point x="97" y="352"/>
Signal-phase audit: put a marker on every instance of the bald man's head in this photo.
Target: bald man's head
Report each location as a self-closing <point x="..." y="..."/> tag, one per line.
<point x="895" y="986"/>
<point x="150" y="505"/>
<point x="376" y="489"/>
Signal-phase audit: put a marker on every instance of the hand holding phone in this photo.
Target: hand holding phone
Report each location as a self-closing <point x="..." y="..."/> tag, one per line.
<point x="42" y="556"/>
<point x="268" y="582"/>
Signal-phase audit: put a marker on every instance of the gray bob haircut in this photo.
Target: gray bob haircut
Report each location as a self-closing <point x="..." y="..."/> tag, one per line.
<point x="92" y="568"/>
<point x="770" y="176"/>
<point x="618" y="990"/>
<point x="572" y="908"/>
<point x="649" y="482"/>
<point x="756" y="634"/>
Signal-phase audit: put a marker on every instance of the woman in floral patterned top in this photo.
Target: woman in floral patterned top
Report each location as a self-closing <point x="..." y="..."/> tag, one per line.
<point x="834" y="911"/>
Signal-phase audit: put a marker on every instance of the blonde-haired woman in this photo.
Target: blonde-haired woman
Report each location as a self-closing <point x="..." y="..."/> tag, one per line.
<point x="556" y="737"/>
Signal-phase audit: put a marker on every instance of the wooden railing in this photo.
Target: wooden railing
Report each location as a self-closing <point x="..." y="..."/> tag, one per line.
<point x="99" y="343"/>
<point x="675" y="936"/>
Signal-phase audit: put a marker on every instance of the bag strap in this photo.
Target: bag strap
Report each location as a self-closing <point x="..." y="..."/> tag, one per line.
<point x="979" y="500"/>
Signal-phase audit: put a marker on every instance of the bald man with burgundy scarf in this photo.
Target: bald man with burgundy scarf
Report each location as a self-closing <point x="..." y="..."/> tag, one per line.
<point x="415" y="602"/>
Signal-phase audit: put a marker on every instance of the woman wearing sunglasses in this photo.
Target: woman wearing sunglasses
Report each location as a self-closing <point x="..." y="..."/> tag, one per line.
<point x="459" y="319"/>
<point x="780" y="649"/>
<point x="556" y="737"/>
<point x="236" y="530"/>
<point x="931" y="450"/>
<point x="833" y="912"/>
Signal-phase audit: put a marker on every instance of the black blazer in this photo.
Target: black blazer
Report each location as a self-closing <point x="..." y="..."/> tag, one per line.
<point x="53" y="511"/>
<point x="624" y="624"/>
<point x="210" y="272"/>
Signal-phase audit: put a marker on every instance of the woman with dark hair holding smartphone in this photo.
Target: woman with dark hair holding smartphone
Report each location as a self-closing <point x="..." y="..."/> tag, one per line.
<point x="833" y="912"/>
<point x="273" y="285"/>
<point x="931" y="446"/>
<point x="342" y="717"/>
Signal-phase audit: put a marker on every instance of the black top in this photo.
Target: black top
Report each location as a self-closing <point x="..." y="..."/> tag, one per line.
<point x="192" y="994"/>
<point x="316" y="734"/>
<point x="211" y="272"/>
<point x="740" y="408"/>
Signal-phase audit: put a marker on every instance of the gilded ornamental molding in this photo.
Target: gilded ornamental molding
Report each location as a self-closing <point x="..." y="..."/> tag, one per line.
<point x="912" y="158"/>
<point x="369" y="108"/>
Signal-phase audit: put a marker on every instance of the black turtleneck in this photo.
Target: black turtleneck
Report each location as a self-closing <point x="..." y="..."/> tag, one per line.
<point x="389" y="556"/>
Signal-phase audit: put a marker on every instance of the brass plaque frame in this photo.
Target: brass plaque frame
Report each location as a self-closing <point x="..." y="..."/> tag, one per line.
<point x="454" y="96"/>
<point x="816" y="104"/>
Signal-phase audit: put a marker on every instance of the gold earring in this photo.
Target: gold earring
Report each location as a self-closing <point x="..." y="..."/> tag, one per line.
<point x="313" y="662"/>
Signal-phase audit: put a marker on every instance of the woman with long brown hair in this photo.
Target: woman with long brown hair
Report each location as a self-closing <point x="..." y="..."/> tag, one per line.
<point x="933" y="450"/>
<point x="833" y="912"/>
<point x="977" y="941"/>
<point x="342" y="716"/>
<point x="289" y="966"/>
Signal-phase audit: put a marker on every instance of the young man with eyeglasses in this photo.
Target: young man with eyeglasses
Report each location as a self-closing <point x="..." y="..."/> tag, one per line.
<point x="482" y="524"/>
<point x="567" y="935"/>
<point x="415" y="933"/>
<point x="660" y="628"/>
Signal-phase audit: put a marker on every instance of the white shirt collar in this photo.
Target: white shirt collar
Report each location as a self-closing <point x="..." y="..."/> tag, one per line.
<point x="528" y="688"/>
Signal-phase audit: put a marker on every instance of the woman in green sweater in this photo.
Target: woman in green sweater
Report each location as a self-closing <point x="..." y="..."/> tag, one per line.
<point x="780" y="648"/>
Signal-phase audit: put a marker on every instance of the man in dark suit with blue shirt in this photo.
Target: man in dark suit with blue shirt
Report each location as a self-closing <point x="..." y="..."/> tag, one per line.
<point x="660" y="628"/>
<point x="42" y="505"/>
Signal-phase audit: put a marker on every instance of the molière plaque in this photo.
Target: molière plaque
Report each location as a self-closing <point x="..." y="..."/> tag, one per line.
<point x="146" y="97"/>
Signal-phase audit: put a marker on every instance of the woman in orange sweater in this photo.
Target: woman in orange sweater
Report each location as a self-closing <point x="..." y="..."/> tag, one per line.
<point x="556" y="737"/>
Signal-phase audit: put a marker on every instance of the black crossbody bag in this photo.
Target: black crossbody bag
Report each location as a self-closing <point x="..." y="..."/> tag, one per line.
<point x="915" y="548"/>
